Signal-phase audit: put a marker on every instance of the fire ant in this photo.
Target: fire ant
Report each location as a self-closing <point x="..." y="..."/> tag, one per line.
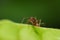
<point x="34" y="21"/>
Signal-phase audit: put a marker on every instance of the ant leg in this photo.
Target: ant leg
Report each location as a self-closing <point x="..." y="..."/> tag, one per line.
<point x="40" y="22"/>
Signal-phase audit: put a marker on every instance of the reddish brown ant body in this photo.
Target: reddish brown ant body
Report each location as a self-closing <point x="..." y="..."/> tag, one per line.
<point x="34" y="21"/>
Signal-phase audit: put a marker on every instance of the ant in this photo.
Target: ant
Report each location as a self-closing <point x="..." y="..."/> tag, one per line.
<point x="34" y="21"/>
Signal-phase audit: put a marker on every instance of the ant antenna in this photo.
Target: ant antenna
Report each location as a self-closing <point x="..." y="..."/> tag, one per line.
<point x="23" y="20"/>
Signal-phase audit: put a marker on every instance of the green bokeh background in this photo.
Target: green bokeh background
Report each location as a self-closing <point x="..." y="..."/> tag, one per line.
<point x="47" y="10"/>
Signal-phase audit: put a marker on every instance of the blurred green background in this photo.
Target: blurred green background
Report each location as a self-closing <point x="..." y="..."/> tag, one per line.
<point x="47" y="10"/>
